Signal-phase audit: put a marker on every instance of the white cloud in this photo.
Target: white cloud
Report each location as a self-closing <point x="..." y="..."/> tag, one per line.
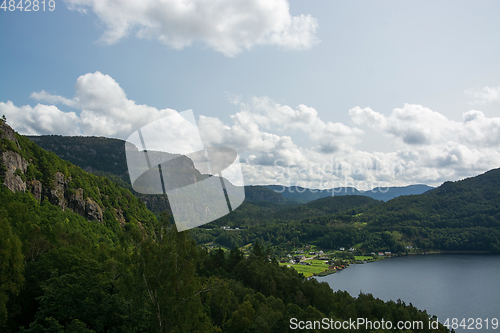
<point x="227" y="26"/>
<point x="54" y="99"/>
<point x="413" y="124"/>
<point x="479" y="131"/>
<point x="483" y="96"/>
<point x="428" y="147"/>
<point x="104" y="111"/>
<point x="41" y="119"/>
<point x="257" y="127"/>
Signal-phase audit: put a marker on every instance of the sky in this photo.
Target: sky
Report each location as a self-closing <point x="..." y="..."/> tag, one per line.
<point x="319" y="93"/>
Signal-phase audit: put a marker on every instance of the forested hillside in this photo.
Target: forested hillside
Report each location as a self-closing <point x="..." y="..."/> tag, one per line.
<point x="459" y="216"/>
<point x="90" y="153"/>
<point x="463" y="215"/>
<point x="80" y="254"/>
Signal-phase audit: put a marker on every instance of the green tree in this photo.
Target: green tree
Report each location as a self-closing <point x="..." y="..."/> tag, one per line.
<point x="80" y="295"/>
<point x="165" y="267"/>
<point x="235" y="256"/>
<point x="242" y="319"/>
<point x="11" y="265"/>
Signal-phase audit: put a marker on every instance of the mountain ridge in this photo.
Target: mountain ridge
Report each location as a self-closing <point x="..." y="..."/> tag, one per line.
<point x="303" y="195"/>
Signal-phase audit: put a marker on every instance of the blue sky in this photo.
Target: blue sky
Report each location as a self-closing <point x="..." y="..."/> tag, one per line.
<point x="386" y="92"/>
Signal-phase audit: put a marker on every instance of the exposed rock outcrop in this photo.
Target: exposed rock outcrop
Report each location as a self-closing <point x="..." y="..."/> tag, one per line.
<point x="6" y="132"/>
<point x="13" y="179"/>
<point x="120" y="217"/>
<point x="56" y="194"/>
<point x="76" y="202"/>
<point x="35" y="187"/>
<point x="13" y="168"/>
<point x="92" y="210"/>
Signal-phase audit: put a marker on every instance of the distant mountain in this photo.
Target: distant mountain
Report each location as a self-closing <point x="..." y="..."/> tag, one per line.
<point x="304" y="195"/>
<point x="256" y="194"/>
<point x="350" y="204"/>
<point x="461" y="215"/>
<point x="88" y="152"/>
<point x="388" y="193"/>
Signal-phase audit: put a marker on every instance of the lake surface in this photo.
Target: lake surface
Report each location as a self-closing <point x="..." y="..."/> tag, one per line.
<point x="448" y="285"/>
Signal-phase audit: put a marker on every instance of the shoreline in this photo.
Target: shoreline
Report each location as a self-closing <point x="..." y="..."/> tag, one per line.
<point x="444" y="252"/>
<point x="431" y="252"/>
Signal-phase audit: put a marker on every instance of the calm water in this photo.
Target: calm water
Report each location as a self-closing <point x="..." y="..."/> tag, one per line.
<point x="460" y="286"/>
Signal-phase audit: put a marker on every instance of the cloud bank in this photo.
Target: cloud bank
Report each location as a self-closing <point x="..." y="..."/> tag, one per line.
<point x="427" y="146"/>
<point x="280" y="144"/>
<point x="104" y="110"/>
<point x="226" y="26"/>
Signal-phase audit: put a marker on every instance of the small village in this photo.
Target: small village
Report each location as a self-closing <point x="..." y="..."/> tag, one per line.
<point x="312" y="261"/>
<point x="319" y="263"/>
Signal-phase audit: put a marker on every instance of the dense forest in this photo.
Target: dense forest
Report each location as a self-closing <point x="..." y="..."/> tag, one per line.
<point x="78" y="253"/>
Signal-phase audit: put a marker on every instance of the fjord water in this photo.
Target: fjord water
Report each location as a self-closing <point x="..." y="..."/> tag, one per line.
<point x="448" y="286"/>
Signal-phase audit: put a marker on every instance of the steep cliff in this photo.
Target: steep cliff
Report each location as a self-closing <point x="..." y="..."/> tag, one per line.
<point x="25" y="167"/>
<point x="13" y="166"/>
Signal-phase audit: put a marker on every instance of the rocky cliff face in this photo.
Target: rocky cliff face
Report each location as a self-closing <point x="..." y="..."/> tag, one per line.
<point x="8" y="133"/>
<point x="13" y="168"/>
<point x="61" y="195"/>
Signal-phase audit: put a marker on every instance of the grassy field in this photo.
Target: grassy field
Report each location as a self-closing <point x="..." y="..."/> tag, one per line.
<point x="363" y="257"/>
<point x="317" y="266"/>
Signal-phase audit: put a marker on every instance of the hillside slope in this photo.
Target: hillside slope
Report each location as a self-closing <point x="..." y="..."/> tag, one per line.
<point x="350" y="204"/>
<point x="472" y="202"/>
<point x="27" y="167"/>
<point x="457" y="216"/>
<point x="65" y="267"/>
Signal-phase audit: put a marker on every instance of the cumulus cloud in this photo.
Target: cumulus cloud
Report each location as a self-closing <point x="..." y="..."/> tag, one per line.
<point x="428" y="147"/>
<point x="255" y="128"/>
<point x="483" y="96"/>
<point x="225" y="26"/>
<point x="434" y="146"/>
<point x="104" y="110"/>
<point x="54" y="99"/>
<point x="41" y="119"/>
<point x="480" y="131"/>
<point x="413" y="124"/>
